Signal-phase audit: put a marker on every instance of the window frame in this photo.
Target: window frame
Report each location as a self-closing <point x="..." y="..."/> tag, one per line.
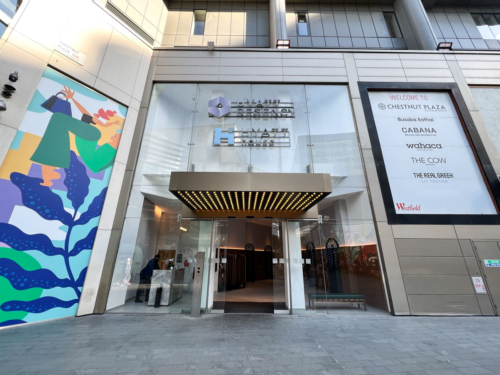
<point x="307" y="23"/>
<point x="193" y="26"/>
<point x="391" y="27"/>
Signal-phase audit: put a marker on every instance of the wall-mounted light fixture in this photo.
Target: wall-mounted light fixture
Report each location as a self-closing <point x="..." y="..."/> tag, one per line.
<point x="283" y="44"/>
<point x="444" y="46"/>
<point x="211" y="46"/>
<point x="13" y="77"/>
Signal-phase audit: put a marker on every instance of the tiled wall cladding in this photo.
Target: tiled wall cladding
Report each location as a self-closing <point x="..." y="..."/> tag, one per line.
<point x="455" y="24"/>
<point x="149" y="15"/>
<point x="342" y="26"/>
<point x="228" y="24"/>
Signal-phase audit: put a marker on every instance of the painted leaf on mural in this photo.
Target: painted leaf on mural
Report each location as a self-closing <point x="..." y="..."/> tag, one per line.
<point x="81" y="278"/>
<point x="21" y="279"/>
<point x="76" y="181"/>
<point x="18" y="240"/>
<point x="84" y="244"/>
<point x="37" y="306"/>
<point x="40" y="198"/>
<point x="94" y="210"/>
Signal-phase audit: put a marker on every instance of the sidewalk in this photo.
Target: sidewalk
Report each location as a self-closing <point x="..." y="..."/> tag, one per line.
<point x="253" y="344"/>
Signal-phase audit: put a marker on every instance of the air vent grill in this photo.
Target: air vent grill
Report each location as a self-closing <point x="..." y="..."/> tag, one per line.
<point x="124" y="18"/>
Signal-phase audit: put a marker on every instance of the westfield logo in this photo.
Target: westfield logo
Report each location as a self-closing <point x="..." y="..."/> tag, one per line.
<point x="404" y="207"/>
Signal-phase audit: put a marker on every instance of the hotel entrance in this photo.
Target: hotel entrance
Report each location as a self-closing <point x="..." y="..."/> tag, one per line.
<point x="248" y="267"/>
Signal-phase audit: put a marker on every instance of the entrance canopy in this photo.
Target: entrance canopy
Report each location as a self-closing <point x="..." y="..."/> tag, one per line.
<point x="228" y="191"/>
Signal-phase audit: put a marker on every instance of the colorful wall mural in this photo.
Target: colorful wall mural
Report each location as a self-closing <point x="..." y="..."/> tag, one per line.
<point x="53" y="182"/>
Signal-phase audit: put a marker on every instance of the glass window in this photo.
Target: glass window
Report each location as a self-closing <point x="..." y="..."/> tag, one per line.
<point x="302" y="27"/>
<point x="488" y="25"/>
<point x="199" y="22"/>
<point x="157" y="246"/>
<point x="392" y="25"/>
<point x="10" y="7"/>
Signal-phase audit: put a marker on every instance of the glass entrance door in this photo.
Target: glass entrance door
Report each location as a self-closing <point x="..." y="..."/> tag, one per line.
<point x="248" y="267"/>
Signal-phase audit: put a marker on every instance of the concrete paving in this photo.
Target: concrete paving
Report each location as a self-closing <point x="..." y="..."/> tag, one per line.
<point x="253" y="344"/>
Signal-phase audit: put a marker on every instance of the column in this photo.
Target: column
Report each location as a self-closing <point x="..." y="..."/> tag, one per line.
<point x="418" y="24"/>
<point x="277" y="15"/>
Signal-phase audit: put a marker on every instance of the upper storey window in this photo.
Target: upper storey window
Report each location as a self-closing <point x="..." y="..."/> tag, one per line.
<point x="302" y="24"/>
<point x="488" y="25"/>
<point x="392" y="25"/>
<point x="199" y="17"/>
<point x="7" y="10"/>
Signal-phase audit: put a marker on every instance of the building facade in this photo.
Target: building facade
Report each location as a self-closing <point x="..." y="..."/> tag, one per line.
<point x="174" y="157"/>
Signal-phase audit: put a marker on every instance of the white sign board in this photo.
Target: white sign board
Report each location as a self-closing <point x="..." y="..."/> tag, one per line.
<point x="478" y="284"/>
<point x="68" y="51"/>
<point x="429" y="162"/>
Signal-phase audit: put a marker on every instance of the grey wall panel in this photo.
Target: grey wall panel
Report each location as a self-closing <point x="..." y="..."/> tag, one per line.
<point x="457" y="25"/>
<point x="250" y="41"/>
<point x="444" y="25"/>
<point x="367" y="25"/>
<point x="262" y="22"/>
<point x="172" y="22"/>
<point x="434" y="24"/>
<point x="485" y="304"/>
<point x="237" y="41"/>
<point x="492" y="44"/>
<point x="385" y="43"/>
<point x="433" y="266"/>
<point x="466" y="247"/>
<point x="318" y="42"/>
<point x="304" y="41"/>
<point x="237" y="23"/>
<point x="354" y="24"/>
<point x="479" y="43"/>
<point x="291" y="27"/>
<point x="447" y="304"/>
<point x="211" y="23"/>
<point x="185" y="23"/>
<point x="263" y="41"/>
<point x="332" y="42"/>
<point x="341" y="24"/>
<point x="251" y="22"/>
<point x="379" y="24"/>
<point x="472" y="266"/>
<point x="470" y="25"/>
<point x="224" y="26"/>
<point x="372" y="43"/>
<point x="428" y="247"/>
<point x="329" y="28"/>
<point x="358" y="43"/>
<point x="438" y="284"/>
<point x="315" y="24"/>
<point x="345" y="42"/>
<point x="466" y="43"/>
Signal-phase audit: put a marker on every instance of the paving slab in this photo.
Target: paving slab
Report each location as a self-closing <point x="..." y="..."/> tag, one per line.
<point x="253" y="344"/>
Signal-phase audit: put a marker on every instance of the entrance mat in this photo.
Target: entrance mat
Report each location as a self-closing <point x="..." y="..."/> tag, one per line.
<point x="249" y="308"/>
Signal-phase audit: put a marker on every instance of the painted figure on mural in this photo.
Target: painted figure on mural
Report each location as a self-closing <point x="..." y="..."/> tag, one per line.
<point x="53" y="150"/>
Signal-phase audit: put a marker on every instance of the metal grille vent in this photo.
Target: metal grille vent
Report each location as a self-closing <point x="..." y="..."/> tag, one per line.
<point x="124" y="18"/>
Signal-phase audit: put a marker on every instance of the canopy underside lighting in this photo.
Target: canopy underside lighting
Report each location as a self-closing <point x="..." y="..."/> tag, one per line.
<point x="284" y="192"/>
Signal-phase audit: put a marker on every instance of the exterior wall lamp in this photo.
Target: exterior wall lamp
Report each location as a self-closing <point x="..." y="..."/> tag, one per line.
<point x="283" y="44"/>
<point x="444" y="46"/>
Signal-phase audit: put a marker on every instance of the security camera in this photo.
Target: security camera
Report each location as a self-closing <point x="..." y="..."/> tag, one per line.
<point x="3" y="106"/>
<point x="211" y="46"/>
